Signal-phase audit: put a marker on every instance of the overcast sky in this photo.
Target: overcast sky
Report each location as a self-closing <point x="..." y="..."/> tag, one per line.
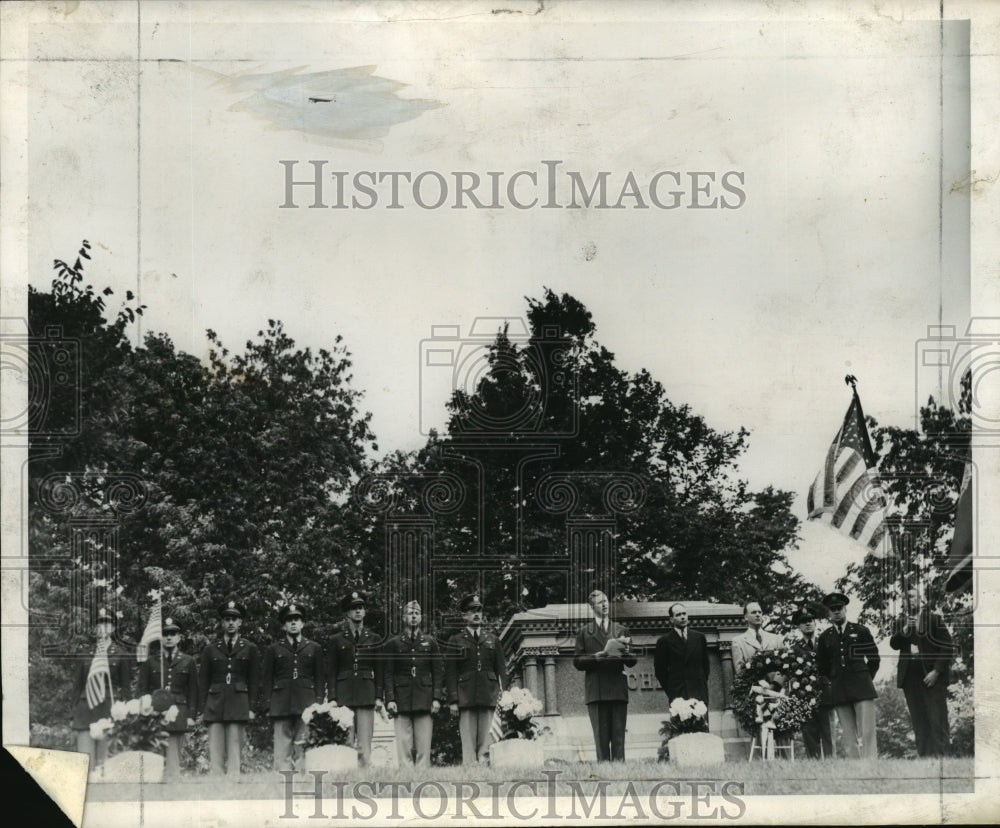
<point x="835" y="263"/>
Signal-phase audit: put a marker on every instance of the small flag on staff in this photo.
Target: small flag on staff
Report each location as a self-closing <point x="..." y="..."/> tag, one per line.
<point x="99" y="669"/>
<point x="496" y="725"/>
<point x="153" y="632"/>
<point x="960" y="555"/>
<point x="846" y="491"/>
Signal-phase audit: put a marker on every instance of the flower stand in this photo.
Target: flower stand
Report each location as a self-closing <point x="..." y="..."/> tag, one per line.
<point x="334" y="758"/>
<point x="696" y="749"/>
<point x="524" y="753"/>
<point x="130" y="766"/>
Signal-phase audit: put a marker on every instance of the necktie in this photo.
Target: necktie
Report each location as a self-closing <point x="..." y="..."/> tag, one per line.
<point x="229" y="645"/>
<point x="684" y="634"/>
<point x="357" y="636"/>
<point x="475" y="636"/>
<point x="760" y="638"/>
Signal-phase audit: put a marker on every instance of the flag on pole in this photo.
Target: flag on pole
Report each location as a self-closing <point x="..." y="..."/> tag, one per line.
<point x="960" y="555"/>
<point x="99" y="669"/>
<point x="496" y="725"/>
<point x="846" y="491"/>
<point x="153" y="632"/>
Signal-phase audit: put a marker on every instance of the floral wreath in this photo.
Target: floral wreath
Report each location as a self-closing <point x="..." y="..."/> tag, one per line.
<point x="777" y="688"/>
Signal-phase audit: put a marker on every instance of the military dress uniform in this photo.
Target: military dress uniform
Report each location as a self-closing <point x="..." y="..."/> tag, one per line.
<point x="228" y="680"/>
<point x="475" y="674"/>
<point x="179" y="685"/>
<point x="293" y="678"/>
<point x="354" y="676"/>
<point x="848" y="656"/>
<point x="119" y="689"/>
<point x="414" y="680"/>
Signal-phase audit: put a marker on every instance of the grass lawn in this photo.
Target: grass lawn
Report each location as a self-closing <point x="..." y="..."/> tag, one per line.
<point x="832" y="776"/>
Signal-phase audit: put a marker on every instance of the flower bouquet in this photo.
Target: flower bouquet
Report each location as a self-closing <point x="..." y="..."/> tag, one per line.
<point x="134" y="725"/>
<point x="515" y="709"/>
<point x="687" y="716"/>
<point x="328" y="724"/>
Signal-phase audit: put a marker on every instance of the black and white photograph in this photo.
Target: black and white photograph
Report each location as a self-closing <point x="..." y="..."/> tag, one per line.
<point x="536" y="412"/>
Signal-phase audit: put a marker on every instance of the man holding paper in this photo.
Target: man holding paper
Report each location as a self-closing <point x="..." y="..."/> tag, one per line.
<point x="602" y="652"/>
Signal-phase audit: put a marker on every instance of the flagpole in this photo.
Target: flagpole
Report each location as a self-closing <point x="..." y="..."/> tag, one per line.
<point x="159" y="612"/>
<point x="111" y="684"/>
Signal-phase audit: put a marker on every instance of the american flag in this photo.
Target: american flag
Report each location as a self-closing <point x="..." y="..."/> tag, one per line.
<point x="99" y="669"/>
<point x="496" y="725"/>
<point x="153" y="632"/>
<point x="846" y="491"/>
<point x="960" y="555"/>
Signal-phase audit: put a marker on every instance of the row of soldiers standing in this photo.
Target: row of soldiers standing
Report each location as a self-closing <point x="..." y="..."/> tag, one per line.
<point x="407" y="676"/>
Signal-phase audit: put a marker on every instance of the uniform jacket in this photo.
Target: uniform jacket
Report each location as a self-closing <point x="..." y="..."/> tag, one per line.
<point x="745" y="646"/>
<point x="605" y="677"/>
<point x="927" y="648"/>
<point x="475" y="673"/>
<point x="120" y="664"/>
<point x="293" y="677"/>
<point x="682" y="667"/>
<point x="228" y="683"/>
<point x="850" y="662"/>
<point x="414" y="673"/>
<point x="801" y="647"/>
<point x="181" y="682"/>
<point x="354" y="673"/>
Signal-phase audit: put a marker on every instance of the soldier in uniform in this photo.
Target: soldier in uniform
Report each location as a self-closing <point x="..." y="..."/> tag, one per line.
<point x="228" y="680"/>
<point x="816" y="733"/>
<point x="355" y="672"/>
<point x="848" y="656"/>
<point x="476" y="673"/>
<point x="413" y="687"/>
<point x="106" y="687"/>
<point x="176" y="684"/>
<point x="294" y="678"/>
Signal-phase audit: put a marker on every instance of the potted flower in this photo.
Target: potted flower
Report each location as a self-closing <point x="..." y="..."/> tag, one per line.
<point x="518" y="732"/>
<point x="136" y="736"/>
<point x="687" y="740"/>
<point x="328" y="731"/>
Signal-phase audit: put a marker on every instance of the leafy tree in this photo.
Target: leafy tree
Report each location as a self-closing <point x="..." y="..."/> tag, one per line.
<point x="558" y="404"/>
<point x="246" y="463"/>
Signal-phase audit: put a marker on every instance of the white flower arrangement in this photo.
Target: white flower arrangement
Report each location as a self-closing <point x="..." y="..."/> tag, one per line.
<point x="135" y="725"/>
<point x="328" y="723"/>
<point x="517" y="707"/>
<point x="687" y="716"/>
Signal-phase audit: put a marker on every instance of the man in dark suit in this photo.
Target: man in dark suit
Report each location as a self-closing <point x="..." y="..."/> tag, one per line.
<point x="602" y="652"/>
<point x="293" y="678"/>
<point x="355" y="672"/>
<point x="681" y="659"/>
<point x="475" y="674"/>
<point x="115" y="685"/>
<point x="228" y="680"/>
<point x="848" y="656"/>
<point x="413" y="688"/>
<point x="175" y="684"/>
<point x="816" y="733"/>
<point x="923" y="672"/>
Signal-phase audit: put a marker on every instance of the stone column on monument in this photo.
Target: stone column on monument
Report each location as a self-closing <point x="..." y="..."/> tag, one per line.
<point x="531" y="675"/>
<point x="549" y="667"/>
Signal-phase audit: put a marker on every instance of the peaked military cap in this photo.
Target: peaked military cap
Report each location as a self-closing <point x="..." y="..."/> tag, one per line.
<point x="170" y="626"/>
<point x="290" y="611"/>
<point x="835" y="600"/>
<point x="352" y="600"/>
<point x="470" y="602"/>
<point x="232" y="607"/>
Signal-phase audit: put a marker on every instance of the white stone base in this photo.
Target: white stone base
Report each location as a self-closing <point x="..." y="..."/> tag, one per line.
<point x="697" y="749"/>
<point x="130" y="766"/>
<point x="333" y="758"/>
<point x="517" y="753"/>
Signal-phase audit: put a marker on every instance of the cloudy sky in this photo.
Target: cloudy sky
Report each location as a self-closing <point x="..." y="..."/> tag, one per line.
<point x="850" y="140"/>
